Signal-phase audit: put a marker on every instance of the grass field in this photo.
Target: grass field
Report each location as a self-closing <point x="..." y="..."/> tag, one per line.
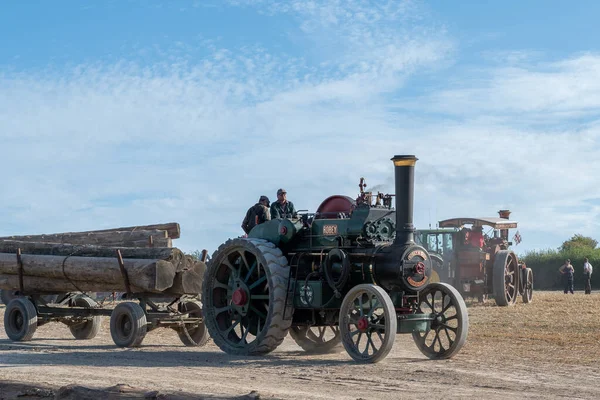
<point x="555" y="326"/>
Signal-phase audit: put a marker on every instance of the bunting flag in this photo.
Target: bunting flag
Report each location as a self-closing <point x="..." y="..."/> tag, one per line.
<point x="517" y="238"/>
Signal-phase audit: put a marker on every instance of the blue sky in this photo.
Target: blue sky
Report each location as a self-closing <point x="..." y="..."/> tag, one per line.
<point x="121" y="113"/>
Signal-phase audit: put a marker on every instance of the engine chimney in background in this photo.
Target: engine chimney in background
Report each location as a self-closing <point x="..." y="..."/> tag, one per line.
<point x="504" y="214"/>
<point x="404" y="171"/>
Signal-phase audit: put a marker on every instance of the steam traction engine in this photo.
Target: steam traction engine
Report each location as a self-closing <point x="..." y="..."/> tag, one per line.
<point x="348" y="275"/>
<point x="491" y="270"/>
<point x="479" y="270"/>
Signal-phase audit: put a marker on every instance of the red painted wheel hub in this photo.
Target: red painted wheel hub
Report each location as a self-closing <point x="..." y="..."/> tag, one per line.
<point x="362" y="324"/>
<point x="239" y="297"/>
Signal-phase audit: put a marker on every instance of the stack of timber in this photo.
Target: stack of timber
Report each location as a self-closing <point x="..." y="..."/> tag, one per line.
<point x="159" y="235"/>
<point x="88" y="261"/>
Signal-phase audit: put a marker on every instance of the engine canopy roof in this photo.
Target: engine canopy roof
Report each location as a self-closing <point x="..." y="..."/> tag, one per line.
<point x="494" y="222"/>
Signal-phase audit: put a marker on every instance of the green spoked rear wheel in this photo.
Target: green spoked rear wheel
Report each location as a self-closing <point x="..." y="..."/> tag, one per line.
<point x="244" y="294"/>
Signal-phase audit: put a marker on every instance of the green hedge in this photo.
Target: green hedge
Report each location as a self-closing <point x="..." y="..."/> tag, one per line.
<point x="545" y="265"/>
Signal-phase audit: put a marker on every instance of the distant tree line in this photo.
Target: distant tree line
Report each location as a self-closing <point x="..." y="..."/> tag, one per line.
<point x="545" y="263"/>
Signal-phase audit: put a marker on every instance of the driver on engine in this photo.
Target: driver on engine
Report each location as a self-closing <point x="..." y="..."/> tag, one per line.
<point x="476" y="238"/>
<point x="283" y="208"/>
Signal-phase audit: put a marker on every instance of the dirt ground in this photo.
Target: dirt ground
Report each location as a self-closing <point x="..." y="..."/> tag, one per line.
<point x="549" y="349"/>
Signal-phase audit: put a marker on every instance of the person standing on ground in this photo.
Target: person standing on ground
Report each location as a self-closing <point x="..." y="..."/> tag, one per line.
<point x="567" y="271"/>
<point x="587" y="274"/>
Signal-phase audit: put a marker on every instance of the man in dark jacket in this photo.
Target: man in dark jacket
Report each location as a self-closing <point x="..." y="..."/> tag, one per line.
<point x="257" y="214"/>
<point x="283" y="208"/>
<point x="567" y="271"/>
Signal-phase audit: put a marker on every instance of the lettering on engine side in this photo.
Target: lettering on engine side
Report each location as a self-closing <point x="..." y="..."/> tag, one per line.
<point x="415" y="283"/>
<point x="330" y="229"/>
<point x="419" y="253"/>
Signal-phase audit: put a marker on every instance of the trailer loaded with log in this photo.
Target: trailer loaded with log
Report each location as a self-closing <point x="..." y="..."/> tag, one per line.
<point x="48" y="278"/>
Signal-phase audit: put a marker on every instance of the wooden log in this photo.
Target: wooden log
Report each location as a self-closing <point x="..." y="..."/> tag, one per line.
<point x="149" y="275"/>
<point x="161" y="242"/>
<point x="173" y="231"/>
<point x="189" y="280"/>
<point x="101" y="238"/>
<point x="174" y="255"/>
<point x="145" y="243"/>
<point x="36" y="284"/>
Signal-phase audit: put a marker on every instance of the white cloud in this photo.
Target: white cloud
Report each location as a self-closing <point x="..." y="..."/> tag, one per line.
<point x="110" y="145"/>
<point x="523" y="137"/>
<point x="117" y="144"/>
<point x="558" y="90"/>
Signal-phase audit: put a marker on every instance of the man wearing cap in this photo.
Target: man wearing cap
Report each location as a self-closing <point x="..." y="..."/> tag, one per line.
<point x="257" y="214"/>
<point x="283" y="208"/>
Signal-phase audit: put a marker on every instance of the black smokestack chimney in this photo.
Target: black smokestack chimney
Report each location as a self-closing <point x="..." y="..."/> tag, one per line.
<point x="404" y="171"/>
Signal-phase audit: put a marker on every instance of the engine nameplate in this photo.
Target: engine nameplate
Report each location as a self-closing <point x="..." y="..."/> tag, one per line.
<point x="330" y="230"/>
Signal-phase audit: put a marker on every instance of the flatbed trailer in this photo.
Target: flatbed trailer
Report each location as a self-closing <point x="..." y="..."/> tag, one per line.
<point x="130" y="320"/>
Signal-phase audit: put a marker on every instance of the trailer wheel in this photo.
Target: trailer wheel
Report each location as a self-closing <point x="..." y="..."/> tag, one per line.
<point x="505" y="278"/>
<point x="193" y="335"/>
<point x="128" y="325"/>
<point x="450" y="324"/>
<point x="20" y="319"/>
<point x="318" y="339"/>
<point x="368" y="323"/>
<point x="244" y="296"/>
<point x="528" y="286"/>
<point x="89" y="327"/>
